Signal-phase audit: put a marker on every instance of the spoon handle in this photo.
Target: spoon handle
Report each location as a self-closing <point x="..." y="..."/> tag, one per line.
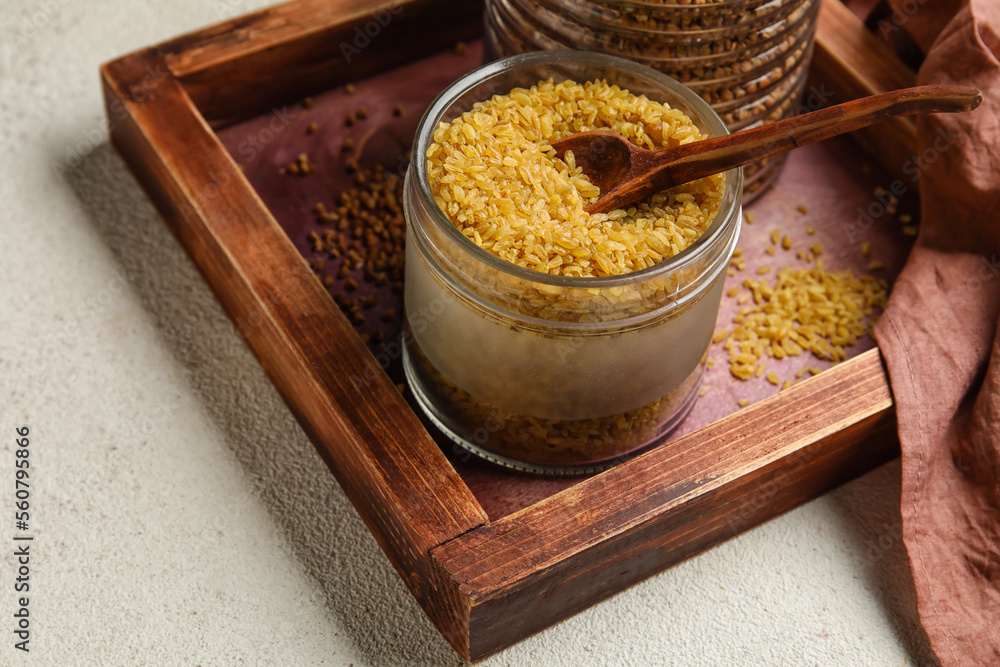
<point x="703" y="158"/>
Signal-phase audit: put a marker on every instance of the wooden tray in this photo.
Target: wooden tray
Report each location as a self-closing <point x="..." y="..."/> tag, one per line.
<point x="492" y="556"/>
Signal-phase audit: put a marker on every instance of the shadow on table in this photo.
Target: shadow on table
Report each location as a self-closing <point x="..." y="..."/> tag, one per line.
<point x="876" y="538"/>
<point x="325" y="533"/>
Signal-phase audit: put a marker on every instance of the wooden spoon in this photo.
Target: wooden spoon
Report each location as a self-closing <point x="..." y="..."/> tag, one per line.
<point x="626" y="173"/>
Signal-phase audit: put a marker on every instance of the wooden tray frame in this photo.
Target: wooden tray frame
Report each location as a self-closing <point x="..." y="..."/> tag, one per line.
<point x="486" y="585"/>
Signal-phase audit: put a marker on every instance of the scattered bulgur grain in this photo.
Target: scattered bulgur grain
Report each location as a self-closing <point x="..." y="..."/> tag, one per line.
<point x="401" y="387"/>
<point x="810" y="230"/>
<point x="350" y="120"/>
<point x="347" y="145"/>
<point x="733" y="291"/>
<point x="349" y="88"/>
<point x="770" y="250"/>
<point x="760" y="370"/>
<point x="816" y="249"/>
<point x="709" y="363"/>
<point x="704" y="390"/>
<point x="307" y="102"/>
<point x="742" y="299"/>
<point x="744" y="402"/>
<point x="351" y="284"/>
<point x="875" y="265"/>
<point x="311" y="128"/>
<point x="906" y="218"/>
<point x="398" y="110"/>
<point x="866" y="248"/>
<point x="749" y="217"/>
<point x="762" y="270"/>
<point x="801" y="254"/>
<point x="813" y="370"/>
<point x="461" y="48"/>
<point x="361" y="113"/>
<point x="775" y="236"/>
<point x="328" y="281"/>
<point x="730" y="271"/>
<point x="910" y="230"/>
<point x="389" y="314"/>
<point x="786" y="242"/>
<point x="772" y="377"/>
<point x="738" y="252"/>
<point x="788" y="383"/>
<point x="807" y="310"/>
<point x="802" y="371"/>
<point x="879" y="190"/>
<point x="801" y="208"/>
<point x="720" y="335"/>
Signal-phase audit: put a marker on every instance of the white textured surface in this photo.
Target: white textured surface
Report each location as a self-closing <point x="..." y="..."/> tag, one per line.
<point x="182" y="517"/>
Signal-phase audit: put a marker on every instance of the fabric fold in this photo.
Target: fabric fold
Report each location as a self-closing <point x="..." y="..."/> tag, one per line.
<point x="939" y="337"/>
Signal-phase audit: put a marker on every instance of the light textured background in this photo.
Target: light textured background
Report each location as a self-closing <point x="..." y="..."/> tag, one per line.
<point x="182" y="517"/>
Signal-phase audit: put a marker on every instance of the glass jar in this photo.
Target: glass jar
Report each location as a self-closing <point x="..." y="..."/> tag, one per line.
<point x="547" y="373"/>
<point x="748" y="59"/>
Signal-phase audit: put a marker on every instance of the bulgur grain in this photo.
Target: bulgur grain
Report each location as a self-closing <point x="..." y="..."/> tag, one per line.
<point x="495" y="176"/>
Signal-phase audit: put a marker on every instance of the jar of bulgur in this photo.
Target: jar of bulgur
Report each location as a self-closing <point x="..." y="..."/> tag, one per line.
<point x="536" y="335"/>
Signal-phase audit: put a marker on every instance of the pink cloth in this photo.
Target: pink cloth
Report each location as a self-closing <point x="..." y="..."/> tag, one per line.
<point x="939" y="337"/>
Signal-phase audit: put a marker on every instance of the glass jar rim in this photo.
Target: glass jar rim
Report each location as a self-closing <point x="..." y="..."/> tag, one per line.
<point x="728" y="207"/>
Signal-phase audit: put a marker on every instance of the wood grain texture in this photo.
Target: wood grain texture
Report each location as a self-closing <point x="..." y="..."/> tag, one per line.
<point x="229" y="69"/>
<point x="394" y="473"/>
<point x="849" y="62"/>
<point x="627" y="173"/>
<point x="527" y="571"/>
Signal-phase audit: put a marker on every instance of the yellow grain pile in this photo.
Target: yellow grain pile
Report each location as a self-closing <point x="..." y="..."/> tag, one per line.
<point x="806" y="310"/>
<point x="495" y="176"/>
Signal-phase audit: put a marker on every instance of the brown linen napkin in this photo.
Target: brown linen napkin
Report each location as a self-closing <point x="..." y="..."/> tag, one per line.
<point x="939" y="337"/>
